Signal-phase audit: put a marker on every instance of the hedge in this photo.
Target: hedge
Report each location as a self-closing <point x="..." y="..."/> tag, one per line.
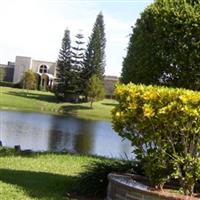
<point x="163" y="125"/>
<point x="10" y="84"/>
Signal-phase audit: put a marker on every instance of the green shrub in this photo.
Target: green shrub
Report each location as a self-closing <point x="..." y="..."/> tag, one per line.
<point x="4" y="151"/>
<point x="94" y="180"/>
<point x="30" y="80"/>
<point x="10" y="84"/>
<point x="163" y="125"/>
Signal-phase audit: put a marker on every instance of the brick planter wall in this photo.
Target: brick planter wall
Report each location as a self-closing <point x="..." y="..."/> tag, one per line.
<point x="126" y="188"/>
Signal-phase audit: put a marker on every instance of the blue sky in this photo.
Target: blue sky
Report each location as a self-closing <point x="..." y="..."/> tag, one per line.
<point x="35" y="27"/>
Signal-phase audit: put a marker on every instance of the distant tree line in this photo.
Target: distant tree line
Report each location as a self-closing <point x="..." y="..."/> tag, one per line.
<point x="79" y="67"/>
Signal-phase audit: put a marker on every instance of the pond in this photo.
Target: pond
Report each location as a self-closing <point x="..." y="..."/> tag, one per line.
<point x="44" y="132"/>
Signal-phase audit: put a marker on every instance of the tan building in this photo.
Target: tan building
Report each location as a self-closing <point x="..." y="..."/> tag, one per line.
<point x="109" y="85"/>
<point x="46" y="70"/>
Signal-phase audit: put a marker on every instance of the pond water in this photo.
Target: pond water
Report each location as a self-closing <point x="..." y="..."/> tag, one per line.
<point x="44" y="132"/>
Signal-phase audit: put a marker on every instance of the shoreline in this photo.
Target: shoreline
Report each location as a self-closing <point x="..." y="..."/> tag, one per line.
<point x="13" y="99"/>
<point x="59" y="114"/>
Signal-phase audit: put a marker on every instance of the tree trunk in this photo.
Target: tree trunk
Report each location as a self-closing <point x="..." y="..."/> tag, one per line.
<point x="91" y="103"/>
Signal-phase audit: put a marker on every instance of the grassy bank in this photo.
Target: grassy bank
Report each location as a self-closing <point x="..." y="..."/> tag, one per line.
<point x="39" y="101"/>
<point x="44" y="176"/>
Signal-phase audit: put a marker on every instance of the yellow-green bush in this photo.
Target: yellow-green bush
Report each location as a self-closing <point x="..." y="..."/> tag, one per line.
<point x="164" y="127"/>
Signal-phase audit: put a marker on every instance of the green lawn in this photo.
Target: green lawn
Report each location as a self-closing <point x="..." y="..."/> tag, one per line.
<point x="38" y="101"/>
<point x="44" y="176"/>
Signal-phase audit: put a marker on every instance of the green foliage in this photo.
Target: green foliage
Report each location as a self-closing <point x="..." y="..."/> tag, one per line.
<point x="93" y="181"/>
<point x="77" y="64"/>
<point x="30" y="80"/>
<point x="7" y="152"/>
<point x="157" y="167"/>
<point x="75" y="67"/>
<point x="64" y="69"/>
<point x="59" y="91"/>
<point x="95" y="89"/>
<point x="10" y="84"/>
<point x="2" y="74"/>
<point x="78" y="53"/>
<point x="69" y="66"/>
<point x="163" y="125"/>
<point x="164" y="46"/>
<point x="188" y="169"/>
<point x="94" y="62"/>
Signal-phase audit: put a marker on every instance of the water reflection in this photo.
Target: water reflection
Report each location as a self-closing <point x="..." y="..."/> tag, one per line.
<point x="42" y="132"/>
<point x="84" y="139"/>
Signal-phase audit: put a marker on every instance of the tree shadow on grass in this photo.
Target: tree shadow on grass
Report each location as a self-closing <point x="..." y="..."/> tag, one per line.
<point x="5" y="152"/>
<point x="109" y="104"/>
<point x="73" y="109"/>
<point x="31" y="95"/>
<point x="39" y="184"/>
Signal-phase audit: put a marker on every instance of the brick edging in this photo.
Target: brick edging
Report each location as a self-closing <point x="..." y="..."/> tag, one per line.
<point x="114" y="182"/>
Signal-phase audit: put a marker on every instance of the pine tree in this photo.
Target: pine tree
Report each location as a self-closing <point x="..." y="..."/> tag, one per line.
<point x="94" y="63"/>
<point x="64" y="67"/>
<point x="77" y="63"/>
<point x="78" y="53"/>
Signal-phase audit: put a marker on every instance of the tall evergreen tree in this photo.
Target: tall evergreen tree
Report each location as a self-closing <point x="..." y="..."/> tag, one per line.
<point x="78" y="53"/>
<point x="64" y="67"/>
<point x="77" y="62"/>
<point x="94" y="63"/>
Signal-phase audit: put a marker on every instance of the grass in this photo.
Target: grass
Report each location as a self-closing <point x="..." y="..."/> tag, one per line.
<point x="39" y="101"/>
<point x="44" y="176"/>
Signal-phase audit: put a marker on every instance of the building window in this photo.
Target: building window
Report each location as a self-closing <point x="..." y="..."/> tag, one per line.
<point x="43" y="69"/>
